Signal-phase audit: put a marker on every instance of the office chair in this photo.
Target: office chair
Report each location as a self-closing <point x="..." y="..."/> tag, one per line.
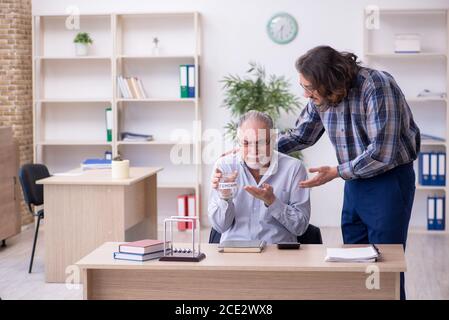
<point x="311" y="236"/>
<point x="33" y="195"/>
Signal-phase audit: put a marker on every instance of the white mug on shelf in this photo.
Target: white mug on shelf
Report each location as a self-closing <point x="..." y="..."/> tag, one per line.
<point x="120" y="169"/>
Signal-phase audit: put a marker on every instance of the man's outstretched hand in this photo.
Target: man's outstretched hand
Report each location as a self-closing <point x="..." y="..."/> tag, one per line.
<point x="323" y="175"/>
<point x="265" y="193"/>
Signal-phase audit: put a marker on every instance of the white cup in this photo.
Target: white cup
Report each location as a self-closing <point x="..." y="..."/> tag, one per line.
<point x="120" y="169"/>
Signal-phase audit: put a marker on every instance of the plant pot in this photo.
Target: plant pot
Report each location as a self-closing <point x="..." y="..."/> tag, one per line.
<point x="120" y="169"/>
<point x="81" y="49"/>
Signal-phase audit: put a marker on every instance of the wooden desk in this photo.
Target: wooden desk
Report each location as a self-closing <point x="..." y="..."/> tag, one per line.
<point x="84" y="211"/>
<point x="272" y="274"/>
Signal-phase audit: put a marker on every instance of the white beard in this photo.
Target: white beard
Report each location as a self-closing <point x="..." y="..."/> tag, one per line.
<point x="252" y="162"/>
<point x="254" y="165"/>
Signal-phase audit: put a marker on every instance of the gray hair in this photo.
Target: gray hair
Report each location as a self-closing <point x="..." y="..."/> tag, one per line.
<point x="256" y="115"/>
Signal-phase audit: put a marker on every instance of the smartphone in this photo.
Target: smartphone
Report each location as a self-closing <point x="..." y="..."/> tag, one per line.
<point x="288" y="245"/>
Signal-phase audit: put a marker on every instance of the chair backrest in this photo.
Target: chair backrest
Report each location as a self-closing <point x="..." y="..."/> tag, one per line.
<point x="311" y="236"/>
<point x="28" y="175"/>
<point x="214" y="236"/>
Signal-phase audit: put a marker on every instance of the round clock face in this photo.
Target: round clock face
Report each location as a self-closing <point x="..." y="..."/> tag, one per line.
<point x="282" y="28"/>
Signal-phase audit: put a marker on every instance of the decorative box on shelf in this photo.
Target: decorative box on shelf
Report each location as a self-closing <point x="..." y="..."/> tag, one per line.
<point x="407" y="43"/>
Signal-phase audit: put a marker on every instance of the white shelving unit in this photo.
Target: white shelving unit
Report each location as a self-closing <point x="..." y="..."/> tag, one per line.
<point x="71" y="93"/>
<point x="415" y="72"/>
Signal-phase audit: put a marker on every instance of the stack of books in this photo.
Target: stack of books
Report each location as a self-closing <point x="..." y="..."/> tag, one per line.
<point x="426" y="137"/>
<point x="131" y="88"/>
<point x="129" y="136"/>
<point x="242" y="246"/>
<point x="141" y="250"/>
<point x="93" y="164"/>
<point x="431" y="94"/>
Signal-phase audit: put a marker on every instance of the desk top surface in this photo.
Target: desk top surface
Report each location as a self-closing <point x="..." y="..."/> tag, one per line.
<point x="99" y="177"/>
<point x="308" y="258"/>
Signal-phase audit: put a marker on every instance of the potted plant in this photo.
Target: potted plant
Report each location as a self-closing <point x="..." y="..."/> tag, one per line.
<point x="256" y="92"/>
<point x="82" y="42"/>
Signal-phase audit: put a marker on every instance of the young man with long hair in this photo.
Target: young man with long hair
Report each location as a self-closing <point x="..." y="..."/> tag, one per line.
<point x="376" y="141"/>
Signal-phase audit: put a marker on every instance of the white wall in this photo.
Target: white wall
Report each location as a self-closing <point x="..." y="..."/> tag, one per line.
<point x="234" y="34"/>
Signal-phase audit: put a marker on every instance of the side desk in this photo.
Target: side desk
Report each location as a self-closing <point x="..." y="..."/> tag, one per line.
<point x="85" y="209"/>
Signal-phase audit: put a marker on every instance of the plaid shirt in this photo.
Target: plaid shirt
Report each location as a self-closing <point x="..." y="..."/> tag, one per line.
<point x="372" y="129"/>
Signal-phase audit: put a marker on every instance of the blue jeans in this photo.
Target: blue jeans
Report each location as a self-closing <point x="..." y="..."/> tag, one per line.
<point x="377" y="210"/>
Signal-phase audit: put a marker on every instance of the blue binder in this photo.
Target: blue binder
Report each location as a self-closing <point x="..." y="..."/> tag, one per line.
<point x="440" y="213"/>
<point x="441" y="172"/>
<point x="431" y="213"/>
<point x="424" y="169"/>
<point x="433" y="169"/>
<point x="191" y="80"/>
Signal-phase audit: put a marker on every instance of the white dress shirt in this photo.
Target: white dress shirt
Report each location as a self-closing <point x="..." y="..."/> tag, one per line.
<point x="247" y="218"/>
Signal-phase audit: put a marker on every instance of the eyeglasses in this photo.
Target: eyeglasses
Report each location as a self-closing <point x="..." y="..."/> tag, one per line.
<point x="308" y="89"/>
<point x="257" y="144"/>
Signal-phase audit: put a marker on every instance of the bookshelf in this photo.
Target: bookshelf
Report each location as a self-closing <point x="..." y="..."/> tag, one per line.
<point x="415" y="72"/>
<point x="71" y="93"/>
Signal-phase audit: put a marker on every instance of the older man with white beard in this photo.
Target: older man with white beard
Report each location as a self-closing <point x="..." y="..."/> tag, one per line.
<point x="268" y="203"/>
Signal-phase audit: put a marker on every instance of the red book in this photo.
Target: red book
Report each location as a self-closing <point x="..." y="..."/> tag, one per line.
<point x="191" y="208"/>
<point x="142" y="246"/>
<point x="182" y="211"/>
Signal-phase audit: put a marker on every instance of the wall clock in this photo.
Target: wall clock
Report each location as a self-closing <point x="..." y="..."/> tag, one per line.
<point x="282" y="28"/>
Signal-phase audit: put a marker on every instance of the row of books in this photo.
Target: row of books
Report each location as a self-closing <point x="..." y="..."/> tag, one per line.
<point x="141" y="250"/>
<point x="131" y="88"/>
<point x="436" y="213"/>
<point x="432" y="168"/>
<point x="187" y="80"/>
<point x="186" y="208"/>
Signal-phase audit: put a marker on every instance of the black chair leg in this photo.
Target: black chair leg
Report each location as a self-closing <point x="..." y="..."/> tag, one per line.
<point x="34" y="243"/>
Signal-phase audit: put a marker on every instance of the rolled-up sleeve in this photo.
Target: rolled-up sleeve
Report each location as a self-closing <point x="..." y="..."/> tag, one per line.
<point x="295" y="214"/>
<point x="308" y="130"/>
<point x="221" y="213"/>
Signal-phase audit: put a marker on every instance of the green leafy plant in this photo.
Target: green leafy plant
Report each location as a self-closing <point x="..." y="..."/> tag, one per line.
<point x="258" y="92"/>
<point x="83" y="37"/>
